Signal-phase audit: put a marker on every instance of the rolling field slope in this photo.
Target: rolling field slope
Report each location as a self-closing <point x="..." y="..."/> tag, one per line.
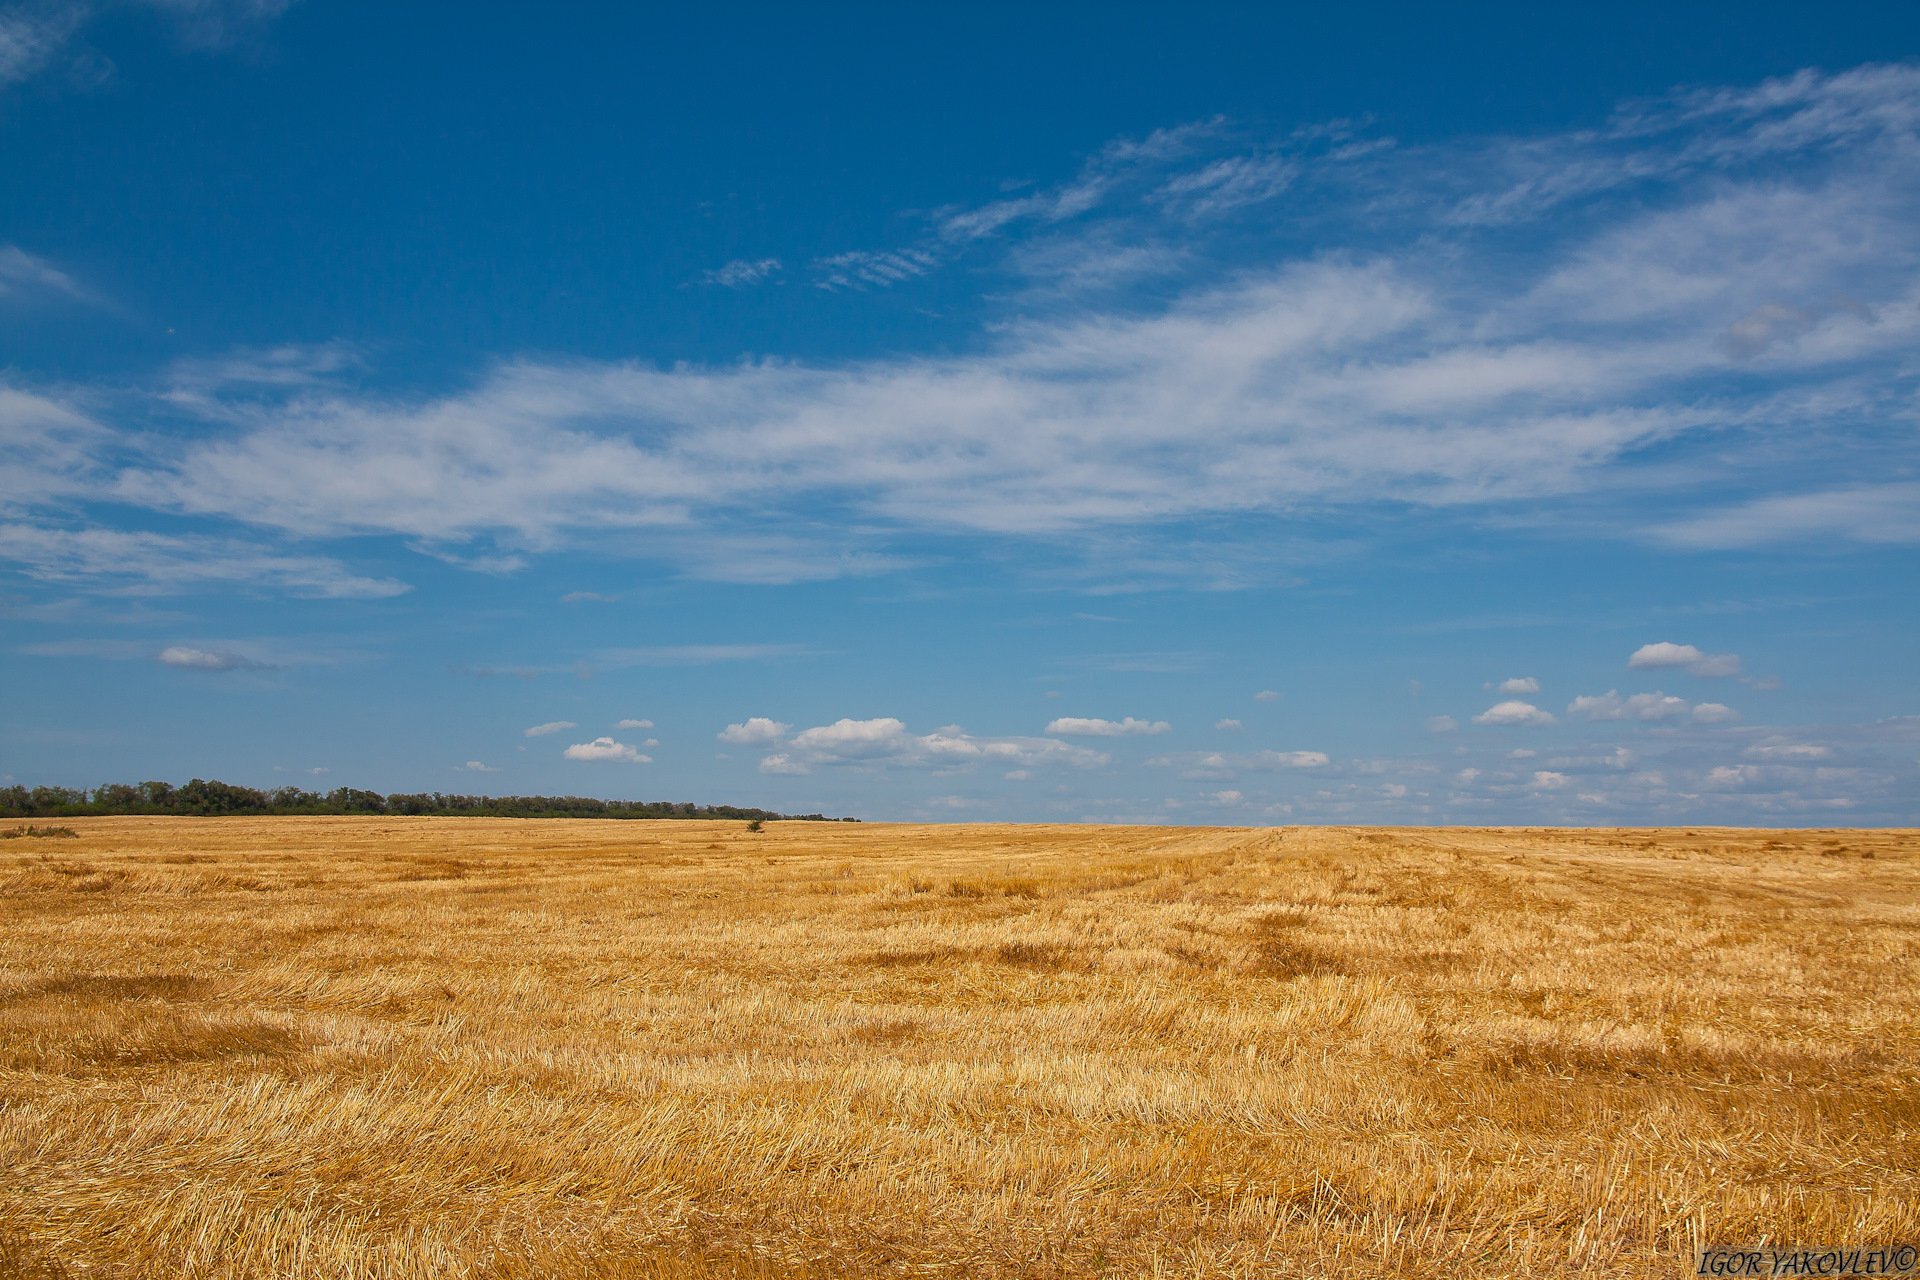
<point x="390" y="1047"/>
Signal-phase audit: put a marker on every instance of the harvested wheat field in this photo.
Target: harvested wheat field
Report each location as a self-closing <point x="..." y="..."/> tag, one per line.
<point x="393" y="1047"/>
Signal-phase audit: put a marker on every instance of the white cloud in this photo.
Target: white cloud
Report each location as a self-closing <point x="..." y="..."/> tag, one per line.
<point x="552" y="726"/>
<point x="33" y="38"/>
<point x="1656" y="706"/>
<point x="1071" y="726"/>
<point x="1598" y="706"/>
<point x="1220" y="764"/>
<point x="23" y="273"/>
<point x="30" y="38"/>
<point x="630" y="724"/>
<point x="1651" y="657"/>
<point x="1648" y="706"/>
<point x="885" y="742"/>
<point x="1466" y="776"/>
<point x="206" y="659"/>
<point x="863" y="269"/>
<point x="1884" y="513"/>
<point x="135" y="563"/>
<point x="1442" y="724"/>
<point x="1519" y="684"/>
<point x="1266" y="695"/>
<point x="1544" y="780"/>
<point x="757" y="729"/>
<point x="1790" y="752"/>
<point x="740" y="272"/>
<point x="606" y="749"/>
<point x="1674" y="288"/>
<point x="1228" y="724"/>
<point x="1287" y="759"/>
<point x="1228" y="184"/>
<point x="1228" y="797"/>
<point x="476" y="766"/>
<point x="1515" y="713"/>
<point x="1619" y="758"/>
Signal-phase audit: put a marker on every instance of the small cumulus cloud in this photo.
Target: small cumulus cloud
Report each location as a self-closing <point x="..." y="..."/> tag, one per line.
<point x="1466" y="776"/>
<point x="1228" y="724"/>
<point x="1515" y="714"/>
<point x="1787" y="752"/>
<point x="1228" y="797"/>
<point x="1219" y="764"/>
<point x="606" y="749"/>
<point x="207" y="659"/>
<point x="1266" y="695"/>
<point x="885" y="742"/>
<point x="1654" y="657"/>
<point x="476" y="766"/>
<point x="552" y="726"/>
<point x="1649" y="707"/>
<point x="1074" y="727"/>
<point x="757" y="730"/>
<point x="1544" y="780"/>
<point x="1442" y="724"/>
<point x="634" y="724"/>
<point x="1515" y="684"/>
<point x="742" y="272"/>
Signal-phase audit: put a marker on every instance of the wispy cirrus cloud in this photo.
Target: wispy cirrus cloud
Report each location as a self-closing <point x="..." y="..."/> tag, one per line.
<point x="741" y="272"/>
<point x="1598" y="356"/>
<point x="24" y="275"/>
<point x="141" y="563"/>
<point x="31" y="38"/>
<point x="38" y="38"/>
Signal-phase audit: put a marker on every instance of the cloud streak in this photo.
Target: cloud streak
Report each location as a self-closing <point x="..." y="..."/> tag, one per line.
<point x="885" y="743"/>
<point x="1072" y="727"/>
<point x="1592" y="357"/>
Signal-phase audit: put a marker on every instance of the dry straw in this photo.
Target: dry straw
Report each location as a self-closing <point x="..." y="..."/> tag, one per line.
<point x="389" y="1047"/>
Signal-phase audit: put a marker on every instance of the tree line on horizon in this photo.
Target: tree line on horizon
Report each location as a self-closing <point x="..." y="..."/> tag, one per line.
<point x="200" y="798"/>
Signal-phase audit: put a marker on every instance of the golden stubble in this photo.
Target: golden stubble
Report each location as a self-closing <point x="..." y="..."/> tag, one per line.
<point x="400" y="1047"/>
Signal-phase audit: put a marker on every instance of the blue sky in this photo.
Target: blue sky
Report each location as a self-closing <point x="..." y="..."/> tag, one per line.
<point x="1141" y="413"/>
